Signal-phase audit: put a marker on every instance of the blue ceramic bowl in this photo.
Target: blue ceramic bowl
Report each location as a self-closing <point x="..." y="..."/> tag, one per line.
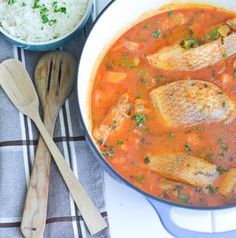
<point x="51" y="44"/>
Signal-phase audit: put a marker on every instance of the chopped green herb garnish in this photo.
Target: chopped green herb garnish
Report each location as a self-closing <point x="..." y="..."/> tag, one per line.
<point x="147" y="160"/>
<point x="36" y="4"/>
<point x="63" y="10"/>
<point x="183" y="198"/>
<point x="54" y="3"/>
<point x="43" y="10"/>
<point x="225" y="55"/>
<point x="143" y="72"/>
<point x="23" y="4"/>
<point x="222" y="153"/>
<point x="141" y="106"/>
<point x="107" y="154"/>
<point x="135" y="62"/>
<point x="140" y="118"/>
<point x="10" y="2"/>
<point x="170" y="135"/>
<point x="139" y="179"/>
<point x="212" y="189"/>
<point x="51" y="22"/>
<point x="120" y="142"/>
<point x="200" y="107"/>
<point x="100" y="141"/>
<point x="139" y="95"/>
<point x="234" y="73"/>
<point x="222" y="170"/>
<point x="191" y="43"/>
<point x="112" y="148"/>
<point x="213" y="34"/>
<point x="147" y="26"/>
<point x="59" y="9"/>
<point x="223" y="145"/>
<point x="188" y="148"/>
<point x="170" y="13"/>
<point x="156" y="34"/>
<point x="127" y="62"/>
<point x="45" y="19"/>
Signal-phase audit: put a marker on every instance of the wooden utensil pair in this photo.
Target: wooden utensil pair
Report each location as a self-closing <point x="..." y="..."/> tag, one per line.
<point x="54" y="80"/>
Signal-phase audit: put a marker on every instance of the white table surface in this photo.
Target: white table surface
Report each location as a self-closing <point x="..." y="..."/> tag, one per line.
<point x="131" y="215"/>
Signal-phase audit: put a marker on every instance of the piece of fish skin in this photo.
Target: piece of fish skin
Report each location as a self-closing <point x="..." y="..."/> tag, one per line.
<point x="114" y="118"/>
<point x="183" y="168"/>
<point x="176" y="58"/>
<point x="227" y="182"/>
<point x="191" y="102"/>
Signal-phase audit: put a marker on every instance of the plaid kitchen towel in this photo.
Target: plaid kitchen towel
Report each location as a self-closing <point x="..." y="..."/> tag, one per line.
<point x="18" y="140"/>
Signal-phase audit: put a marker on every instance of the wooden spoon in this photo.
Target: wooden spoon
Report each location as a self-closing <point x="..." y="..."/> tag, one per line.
<point x="17" y="84"/>
<point x="54" y="80"/>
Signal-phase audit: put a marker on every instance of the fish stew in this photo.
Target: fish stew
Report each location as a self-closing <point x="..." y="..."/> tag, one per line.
<point x="190" y="163"/>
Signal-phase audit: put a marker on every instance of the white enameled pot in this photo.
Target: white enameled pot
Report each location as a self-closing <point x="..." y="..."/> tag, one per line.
<point x="118" y="17"/>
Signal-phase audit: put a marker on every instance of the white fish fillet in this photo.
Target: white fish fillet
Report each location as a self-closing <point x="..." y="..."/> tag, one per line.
<point x="189" y="102"/>
<point x="183" y="168"/>
<point x="114" y="119"/>
<point x="175" y="58"/>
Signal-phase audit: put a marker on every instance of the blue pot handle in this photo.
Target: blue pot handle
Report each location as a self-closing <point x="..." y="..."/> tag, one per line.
<point x="163" y="211"/>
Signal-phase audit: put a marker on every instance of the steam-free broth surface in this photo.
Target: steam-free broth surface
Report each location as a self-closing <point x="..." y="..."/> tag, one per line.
<point x="134" y="136"/>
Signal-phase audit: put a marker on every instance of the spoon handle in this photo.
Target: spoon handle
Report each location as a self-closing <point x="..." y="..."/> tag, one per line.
<point x="92" y="217"/>
<point x="35" y="210"/>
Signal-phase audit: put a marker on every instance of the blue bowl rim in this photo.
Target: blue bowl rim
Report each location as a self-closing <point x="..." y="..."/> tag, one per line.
<point x="44" y="43"/>
<point x="111" y="169"/>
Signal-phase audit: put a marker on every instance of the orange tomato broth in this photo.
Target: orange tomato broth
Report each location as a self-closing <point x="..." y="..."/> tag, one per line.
<point x="214" y="142"/>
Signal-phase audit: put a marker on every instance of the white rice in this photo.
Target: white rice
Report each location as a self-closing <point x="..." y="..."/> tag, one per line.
<point x="23" y="21"/>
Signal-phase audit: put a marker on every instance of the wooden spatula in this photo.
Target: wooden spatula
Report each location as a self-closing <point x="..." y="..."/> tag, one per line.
<point x="17" y="84"/>
<point x="54" y="80"/>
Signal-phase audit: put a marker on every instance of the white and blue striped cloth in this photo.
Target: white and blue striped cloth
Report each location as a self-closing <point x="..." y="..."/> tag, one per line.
<point x="18" y="140"/>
